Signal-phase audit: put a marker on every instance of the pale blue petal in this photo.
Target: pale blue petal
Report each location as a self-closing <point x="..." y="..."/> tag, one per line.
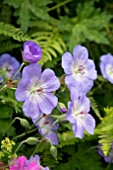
<point x="80" y="53"/>
<point x="31" y="110"/>
<point x="48" y="81"/>
<point x="47" y="102"/>
<point x="20" y="92"/>
<point x="89" y="123"/>
<point x="78" y="130"/>
<point x="53" y="137"/>
<point x="32" y="70"/>
<point x="85" y="102"/>
<point x="91" y="72"/>
<point x="67" y="61"/>
<point x="83" y="86"/>
<point x="70" y="116"/>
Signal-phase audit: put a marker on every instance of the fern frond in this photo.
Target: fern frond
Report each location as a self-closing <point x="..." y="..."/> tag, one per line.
<point x="94" y="107"/>
<point x="13" y="32"/>
<point x="8" y="46"/>
<point x="105" y="131"/>
<point x="51" y="43"/>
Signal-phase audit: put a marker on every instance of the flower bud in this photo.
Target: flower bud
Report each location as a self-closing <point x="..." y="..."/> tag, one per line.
<point x="53" y="151"/>
<point x="62" y="107"/>
<point x="24" y="123"/>
<point x="31" y="140"/>
<point x="32" y="52"/>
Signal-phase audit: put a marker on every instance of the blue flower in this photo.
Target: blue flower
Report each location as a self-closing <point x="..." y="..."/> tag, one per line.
<point x="78" y="114"/>
<point x="80" y="71"/>
<point x="9" y="65"/>
<point x="35" y="89"/>
<point x="106" y="66"/>
<point x="32" y="52"/>
<point x="45" y="126"/>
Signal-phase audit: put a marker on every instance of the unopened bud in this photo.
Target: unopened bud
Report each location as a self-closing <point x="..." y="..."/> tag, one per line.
<point x="24" y="123"/>
<point x="31" y="140"/>
<point x="62" y="107"/>
<point x="53" y="151"/>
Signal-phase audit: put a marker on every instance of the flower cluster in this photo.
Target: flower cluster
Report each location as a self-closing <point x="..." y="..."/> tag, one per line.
<point x="21" y="163"/>
<point x="7" y="148"/>
<point x="36" y="87"/>
<point x="80" y="73"/>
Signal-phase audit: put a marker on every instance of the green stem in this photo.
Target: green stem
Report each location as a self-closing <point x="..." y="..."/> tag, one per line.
<point x="2" y="88"/>
<point x="11" y="123"/>
<point x="37" y="146"/>
<point x="30" y="131"/>
<point x="107" y="168"/>
<point x="43" y="137"/>
<point x="25" y="133"/>
<point x="18" y="71"/>
<point x="19" y="146"/>
<point x="59" y="5"/>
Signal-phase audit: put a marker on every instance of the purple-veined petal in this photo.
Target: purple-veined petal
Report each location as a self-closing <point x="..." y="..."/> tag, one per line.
<point x="32" y="70"/>
<point x="106" y="67"/>
<point x="80" y="53"/>
<point x="91" y="72"/>
<point x="89" y="123"/>
<point x="32" y="110"/>
<point x="31" y="52"/>
<point x="49" y="82"/>
<point x="70" y="116"/>
<point x="20" y="92"/>
<point x="47" y="102"/>
<point x="5" y="58"/>
<point x="84" y="101"/>
<point x="67" y="61"/>
<point x="82" y="86"/>
<point x="53" y="137"/>
<point x="74" y="93"/>
<point x="78" y="130"/>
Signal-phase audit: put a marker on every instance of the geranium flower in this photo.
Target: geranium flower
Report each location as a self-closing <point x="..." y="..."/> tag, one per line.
<point x="32" y="52"/>
<point x="80" y="71"/>
<point x="106" y="66"/>
<point x="9" y="65"/>
<point x="44" y="126"/>
<point x="35" y="89"/>
<point x="78" y="114"/>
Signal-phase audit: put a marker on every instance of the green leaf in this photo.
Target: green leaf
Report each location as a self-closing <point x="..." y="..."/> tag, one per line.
<point x="5" y="111"/>
<point x="4" y="124"/>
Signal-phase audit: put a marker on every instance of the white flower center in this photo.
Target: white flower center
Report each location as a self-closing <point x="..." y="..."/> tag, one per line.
<point x="8" y="69"/>
<point x="109" y="70"/>
<point x="79" y="72"/>
<point x="35" y="91"/>
<point x="78" y="109"/>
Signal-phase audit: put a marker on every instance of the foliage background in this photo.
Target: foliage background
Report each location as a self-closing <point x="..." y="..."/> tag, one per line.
<point x="57" y="26"/>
